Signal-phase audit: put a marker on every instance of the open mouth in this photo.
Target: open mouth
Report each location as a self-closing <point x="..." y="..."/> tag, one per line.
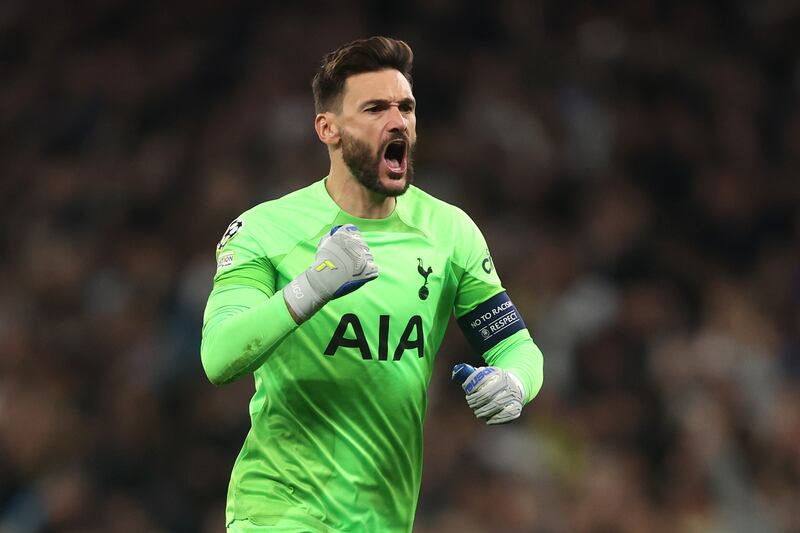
<point x="395" y="157"/>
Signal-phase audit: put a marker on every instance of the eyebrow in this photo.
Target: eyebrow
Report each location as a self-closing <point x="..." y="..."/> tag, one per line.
<point x="379" y="101"/>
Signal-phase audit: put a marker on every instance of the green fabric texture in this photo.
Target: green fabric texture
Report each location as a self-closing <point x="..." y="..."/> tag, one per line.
<point x="338" y="410"/>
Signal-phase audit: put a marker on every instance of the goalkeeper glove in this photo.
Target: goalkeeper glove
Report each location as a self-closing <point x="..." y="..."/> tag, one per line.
<point x="343" y="264"/>
<point x="494" y="394"/>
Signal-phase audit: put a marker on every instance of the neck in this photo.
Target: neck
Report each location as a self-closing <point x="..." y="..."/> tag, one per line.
<point x="353" y="197"/>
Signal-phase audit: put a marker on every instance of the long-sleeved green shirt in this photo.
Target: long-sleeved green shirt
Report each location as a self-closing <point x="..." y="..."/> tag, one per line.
<point x="337" y="415"/>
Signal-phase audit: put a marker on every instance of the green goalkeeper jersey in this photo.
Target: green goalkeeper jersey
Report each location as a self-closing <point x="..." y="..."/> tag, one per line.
<point x="337" y="414"/>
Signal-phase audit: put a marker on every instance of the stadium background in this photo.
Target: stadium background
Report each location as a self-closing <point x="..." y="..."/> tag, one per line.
<point x="633" y="164"/>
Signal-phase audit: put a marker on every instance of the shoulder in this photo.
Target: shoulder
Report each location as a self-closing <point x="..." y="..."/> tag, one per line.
<point x="449" y="226"/>
<point x="280" y="223"/>
<point x="300" y="200"/>
<point x="422" y="209"/>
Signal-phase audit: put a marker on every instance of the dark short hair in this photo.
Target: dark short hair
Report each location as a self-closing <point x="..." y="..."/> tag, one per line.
<point x="363" y="55"/>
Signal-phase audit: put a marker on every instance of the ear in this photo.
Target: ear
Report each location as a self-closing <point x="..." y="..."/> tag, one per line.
<point x="327" y="130"/>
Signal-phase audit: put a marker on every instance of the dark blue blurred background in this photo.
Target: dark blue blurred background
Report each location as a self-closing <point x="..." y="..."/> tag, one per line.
<point x="633" y="164"/>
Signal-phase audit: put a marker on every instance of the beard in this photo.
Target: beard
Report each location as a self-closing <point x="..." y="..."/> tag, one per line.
<point x="364" y="165"/>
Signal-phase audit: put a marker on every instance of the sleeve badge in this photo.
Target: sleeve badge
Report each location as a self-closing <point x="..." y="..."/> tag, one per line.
<point x="230" y="233"/>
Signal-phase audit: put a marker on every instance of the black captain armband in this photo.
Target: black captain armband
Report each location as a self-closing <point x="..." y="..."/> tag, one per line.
<point x="491" y="322"/>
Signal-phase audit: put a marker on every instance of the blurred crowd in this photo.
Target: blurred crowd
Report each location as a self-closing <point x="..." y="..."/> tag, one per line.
<point x="635" y="168"/>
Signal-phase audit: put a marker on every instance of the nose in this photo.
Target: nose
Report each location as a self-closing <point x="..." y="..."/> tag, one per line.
<point x="397" y="122"/>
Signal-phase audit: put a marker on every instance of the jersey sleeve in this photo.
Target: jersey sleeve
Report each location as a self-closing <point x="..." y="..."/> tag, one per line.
<point x="478" y="280"/>
<point x="486" y="314"/>
<point x="242" y="260"/>
<point x="245" y="319"/>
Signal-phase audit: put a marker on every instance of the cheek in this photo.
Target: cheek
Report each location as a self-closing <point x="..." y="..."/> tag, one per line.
<point x="412" y="126"/>
<point x="369" y="132"/>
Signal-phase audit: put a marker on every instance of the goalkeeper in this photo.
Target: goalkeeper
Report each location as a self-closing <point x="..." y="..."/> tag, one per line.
<point x="336" y="298"/>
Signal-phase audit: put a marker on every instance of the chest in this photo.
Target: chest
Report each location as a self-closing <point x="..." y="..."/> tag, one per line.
<point x="414" y="273"/>
<point x="400" y="315"/>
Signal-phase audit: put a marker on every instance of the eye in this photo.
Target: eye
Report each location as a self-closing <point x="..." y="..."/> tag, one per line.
<point x="406" y="108"/>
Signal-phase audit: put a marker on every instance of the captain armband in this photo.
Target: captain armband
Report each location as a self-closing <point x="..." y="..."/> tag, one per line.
<point x="492" y="321"/>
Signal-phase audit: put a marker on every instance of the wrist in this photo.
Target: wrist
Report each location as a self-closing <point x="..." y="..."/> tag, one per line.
<point x="516" y="381"/>
<point x="301" y="299"/>
<point x="297" y="319"/>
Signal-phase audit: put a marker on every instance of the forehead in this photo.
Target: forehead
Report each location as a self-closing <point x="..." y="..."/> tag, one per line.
<point x="388" y="85"/>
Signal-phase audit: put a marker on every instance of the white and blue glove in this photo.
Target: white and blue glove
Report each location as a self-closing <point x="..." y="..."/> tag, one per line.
<point x="494" y="394"/>
<point x="343" y="264"/>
